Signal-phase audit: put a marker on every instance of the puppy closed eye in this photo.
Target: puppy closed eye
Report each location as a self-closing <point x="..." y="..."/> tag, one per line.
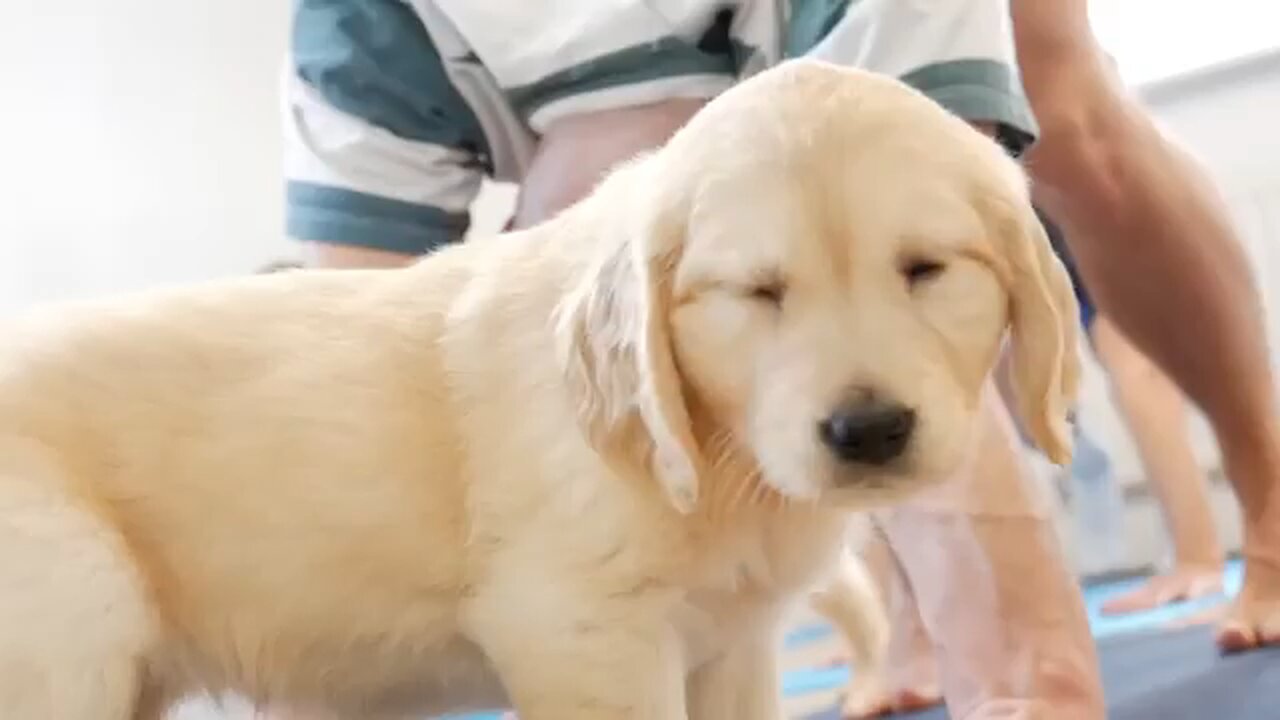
<point x="917" y="270"/>
<point x="772" y="293"/>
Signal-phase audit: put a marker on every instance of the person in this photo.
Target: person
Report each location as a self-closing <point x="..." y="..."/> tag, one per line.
<point x="397" y="112"/>
<point x="1156" y="247"/>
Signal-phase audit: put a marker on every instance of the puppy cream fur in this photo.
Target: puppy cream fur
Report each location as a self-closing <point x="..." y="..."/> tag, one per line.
<point x="574" y="468"/>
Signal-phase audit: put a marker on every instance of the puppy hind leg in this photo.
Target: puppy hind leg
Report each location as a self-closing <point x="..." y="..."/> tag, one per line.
<point x="74" y="625"/>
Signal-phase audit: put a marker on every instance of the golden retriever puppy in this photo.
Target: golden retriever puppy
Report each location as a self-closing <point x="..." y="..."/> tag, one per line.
<point x="583" y="469"/>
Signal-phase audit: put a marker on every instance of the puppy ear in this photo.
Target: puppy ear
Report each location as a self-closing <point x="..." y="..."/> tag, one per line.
<point x="615" y="345"/>
<point x="1045" y="333"/>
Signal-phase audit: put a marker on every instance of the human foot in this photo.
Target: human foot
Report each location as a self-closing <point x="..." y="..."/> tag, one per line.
<point x="909" y="683"/>
<point x="1254" y="617"/>
<point x="1186" y="583"/>
<point x="878" y="702"/>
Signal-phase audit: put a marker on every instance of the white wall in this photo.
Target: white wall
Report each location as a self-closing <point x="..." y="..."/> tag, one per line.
<point x="141" y="146"/>
<point x="140" y="143"/>
<point x="1149" y="38"/>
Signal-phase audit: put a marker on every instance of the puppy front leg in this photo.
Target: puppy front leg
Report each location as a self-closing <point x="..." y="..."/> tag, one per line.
<point x="742" y="684"/>
<point x="605" y="664"/>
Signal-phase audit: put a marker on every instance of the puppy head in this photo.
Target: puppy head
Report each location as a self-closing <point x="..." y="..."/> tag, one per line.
<point x="822" y="266"/>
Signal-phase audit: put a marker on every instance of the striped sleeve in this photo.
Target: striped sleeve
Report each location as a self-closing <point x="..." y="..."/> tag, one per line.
<point x="381" y="151"/>
<point x="958" y="52"/>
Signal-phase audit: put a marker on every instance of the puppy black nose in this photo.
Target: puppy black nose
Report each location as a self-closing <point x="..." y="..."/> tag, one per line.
<point x="870" y="432"/>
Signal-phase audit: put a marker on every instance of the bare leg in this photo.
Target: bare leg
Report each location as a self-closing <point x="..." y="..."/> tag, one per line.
<point x="1156" y="247"/>
<point x="1156" y="415"/>
<point x="1003" y="610"/>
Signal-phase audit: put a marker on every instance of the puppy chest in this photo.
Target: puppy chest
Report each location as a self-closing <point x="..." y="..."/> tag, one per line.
<point x="742" y="604"/>
<point x="751" y="582"/>
<point x="707" y="626"/>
